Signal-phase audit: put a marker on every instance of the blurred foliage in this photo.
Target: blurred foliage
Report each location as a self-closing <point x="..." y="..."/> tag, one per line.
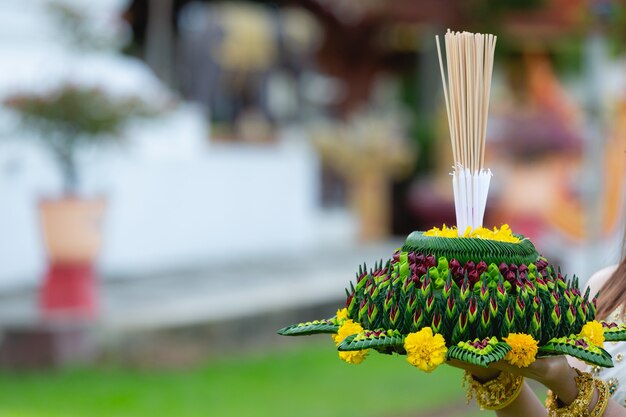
<point x="81" y="30"/>
<point x="78" y="113"/>
<point x="487" y="15"/>
<point x="421" y="127"/>
<point x="304" y="381"/>
<point x="72" y="116"/>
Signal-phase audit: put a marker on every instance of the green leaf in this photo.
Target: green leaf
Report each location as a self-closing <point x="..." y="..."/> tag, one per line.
<point x="481" y="357"/>
<point x="474" y="249"/>
<point x="305" y="329"/>
<point x="614" y="332"/>
<point x="368" y="340"/>
<point x="568" y="346"/>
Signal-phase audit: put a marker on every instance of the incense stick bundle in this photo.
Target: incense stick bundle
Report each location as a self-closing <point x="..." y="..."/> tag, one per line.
<point x="467" y="87"/>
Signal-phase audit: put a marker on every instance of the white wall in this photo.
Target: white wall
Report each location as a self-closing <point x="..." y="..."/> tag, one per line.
<point x="174" y="200"/>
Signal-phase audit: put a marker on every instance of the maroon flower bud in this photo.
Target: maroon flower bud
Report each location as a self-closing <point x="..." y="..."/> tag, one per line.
<point x="510" y="276"/>
<point x="485" y="320"/>
<point x="430" y="302"/>
<point x="541" y="284"/>
<point x="421" y="270"/>
<point x="473" y="277"/>
<point x="501" y="291"/>
<point x="510" y="314"/>
<point x="418" y="318"/>
<point x="513" y="267"/>
<point x="581" y="343"/>
<point x="436" y="325"/>
<point x="373" y="291"/>
<point x="584" y="307"/>
<point x="481" y="267"/>
<point x="463" y="321"/>
<point x="493" y="307"/>
<point x="465" y="289"/>
<point x="420" y="258"/>
<point x="431" y="261"/>
<point x="503" y="268"/>
<point x="411" y="303"/>
<point x="393" y="313"/>
<point x="470" y="266"/>
<point x="522" y="268"/>
<point x="473" y="307"/>
<point x="370" y="309"/>
<point x="541" y="264"/>
<point x="396" y="256"/>
<point x="447" y="287"/>
<point x="484" y="290"/>
<point x="454" y="264"/>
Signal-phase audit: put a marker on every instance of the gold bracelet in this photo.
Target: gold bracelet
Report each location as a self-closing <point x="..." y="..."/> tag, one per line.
<point x="580" y="406"/>
<point x="495" y="394"/>
<point x="603" y="398"/>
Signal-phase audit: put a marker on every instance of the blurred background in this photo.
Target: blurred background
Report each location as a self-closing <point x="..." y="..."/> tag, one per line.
<point x="179" y="179"/>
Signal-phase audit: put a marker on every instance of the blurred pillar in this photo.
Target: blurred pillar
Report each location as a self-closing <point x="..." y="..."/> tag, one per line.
<point x="596" y="59"/>
<point x="159" y="39"/>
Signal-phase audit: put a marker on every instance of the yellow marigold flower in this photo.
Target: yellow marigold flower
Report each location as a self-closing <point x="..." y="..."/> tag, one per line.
<point x="502" y="234"/>
<point x="445" y="231"/>
<point x="425" y="350"/>
<point x="593" y="332"/>
<point x="349" y="328"/>
<point x="523" y="349"/>
<point x="342" y="314"/>
<point x="354" y="357"/>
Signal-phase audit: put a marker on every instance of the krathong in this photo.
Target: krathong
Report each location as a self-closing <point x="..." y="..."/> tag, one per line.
<point x="467" y="293"/>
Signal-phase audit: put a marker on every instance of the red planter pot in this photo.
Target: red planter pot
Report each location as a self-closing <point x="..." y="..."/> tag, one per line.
<point x="72" y="233"/>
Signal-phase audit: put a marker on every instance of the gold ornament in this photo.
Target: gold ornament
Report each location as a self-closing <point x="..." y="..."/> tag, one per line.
<point x="580" y="406"/>
<point x="603" y="398"/>
<point x="495" y="394"/>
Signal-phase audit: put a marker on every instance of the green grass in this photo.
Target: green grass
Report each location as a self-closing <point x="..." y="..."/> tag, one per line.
<point x="297" y="381"/>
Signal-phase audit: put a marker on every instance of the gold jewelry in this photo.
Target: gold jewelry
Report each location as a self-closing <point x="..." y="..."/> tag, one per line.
<point x="495" y="394"/>
<point x="604" y="394"/>
<point x="580" y="406"/>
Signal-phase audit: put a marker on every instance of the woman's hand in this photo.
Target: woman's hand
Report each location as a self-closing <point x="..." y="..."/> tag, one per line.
<point x="554" y="372"/>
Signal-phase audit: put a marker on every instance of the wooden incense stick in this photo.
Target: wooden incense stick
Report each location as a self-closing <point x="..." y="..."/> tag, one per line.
<point x="466" y="78"/>
<point x="467" y="87"/>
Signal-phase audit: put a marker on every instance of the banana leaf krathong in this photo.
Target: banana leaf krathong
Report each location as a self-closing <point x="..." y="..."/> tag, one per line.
<point x="477" y="296"/>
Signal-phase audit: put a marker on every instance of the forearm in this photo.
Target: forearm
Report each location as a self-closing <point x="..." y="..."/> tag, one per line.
<point x="526" y="404"/>
<point x="563" y="384"/>
<point x="614" y="410"/>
